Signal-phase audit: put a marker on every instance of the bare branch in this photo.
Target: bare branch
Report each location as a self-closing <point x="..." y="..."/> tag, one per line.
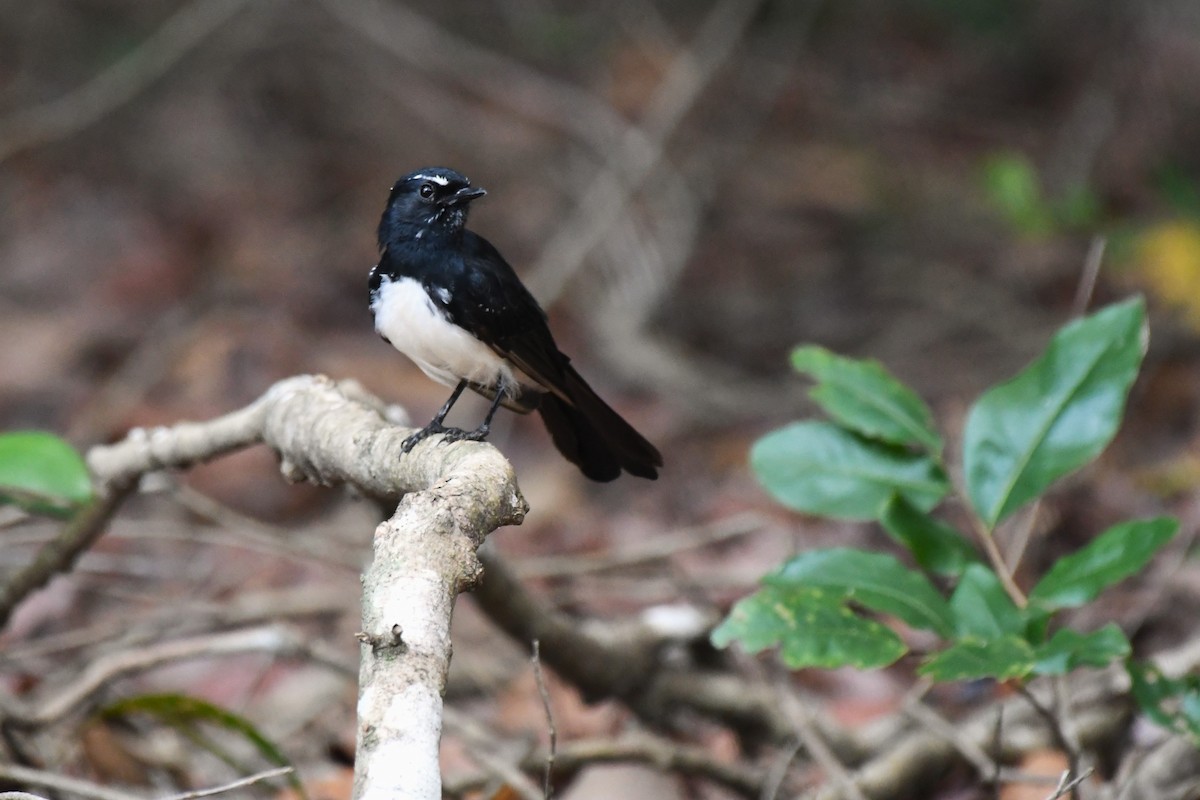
<point x="64" y="700"/>
<point x="241" y="783"/>
<point x="450" y="498"/>
<point x="325" y="433"/>
<point x="118" y="84"/>
<point x="663" y="754"/>
<point x="806" y="732"/>
<point x="660" y="547"/>
<point x="60" y="553"/>
<point x="547" y="778"/>
<point x="1068" y="785"/>
<point x="642" y="748"/>
<point x="482" y="745"/>
<point x="422" y="45"/>
<point x="639" y="153"/>
<point x="628" y="667"/>
<point x="61" y="783"/>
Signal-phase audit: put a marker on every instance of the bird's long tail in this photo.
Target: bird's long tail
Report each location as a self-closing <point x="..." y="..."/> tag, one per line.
<point x="592" y="436"/>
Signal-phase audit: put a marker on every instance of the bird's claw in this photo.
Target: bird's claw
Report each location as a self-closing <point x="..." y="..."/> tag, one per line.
<point x="451" y="435"/>
<point x="429" y="430"/>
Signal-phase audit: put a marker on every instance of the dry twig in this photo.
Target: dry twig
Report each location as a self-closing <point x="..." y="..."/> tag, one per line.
<point x="64" y="700"/>
<point x="61" y="553"/>
<point x="241" y="783"/>
<point x="62" y="783"/>
<point x="639" y="748"/>
<point x="118" y="84"/>
<point x="802" y="720"/>
<point x="547" y="779"/>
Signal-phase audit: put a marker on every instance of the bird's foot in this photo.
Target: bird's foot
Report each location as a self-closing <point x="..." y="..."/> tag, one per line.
<point x="459" y="435"/>
<point x="429" y="430"/>
<point x="449" y="435"/>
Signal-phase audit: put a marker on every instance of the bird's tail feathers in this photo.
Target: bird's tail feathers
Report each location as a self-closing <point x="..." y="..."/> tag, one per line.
<point x="592" y="436"/>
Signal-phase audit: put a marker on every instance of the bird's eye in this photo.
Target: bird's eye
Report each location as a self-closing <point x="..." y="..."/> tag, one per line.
<point x="426" y="190"/>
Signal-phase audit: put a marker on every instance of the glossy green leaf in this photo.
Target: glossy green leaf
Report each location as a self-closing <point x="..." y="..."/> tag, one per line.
<point x="819" y="468"/>
<point x="1068" y="650"/>
<point x="1056" y="415"/>
<point x="811" y="628"/>
<point x="42" y="473"/>
<point x="1121" y="551"/>
<point x="982" y="609"/>
<point x="936" y="546"/>
<point x="183" y="712"/>
<point x="874" y="580"/>
<point x="1173" y="703"/>
<point x="864" y="397"/>
<point x="1002" y="658"/>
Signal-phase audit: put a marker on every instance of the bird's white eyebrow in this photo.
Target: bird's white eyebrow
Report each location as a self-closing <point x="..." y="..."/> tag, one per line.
<point x="438" y="179"/>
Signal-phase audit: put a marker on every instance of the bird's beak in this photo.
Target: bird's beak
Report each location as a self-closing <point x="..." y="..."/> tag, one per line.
<point x="466" y="195"/>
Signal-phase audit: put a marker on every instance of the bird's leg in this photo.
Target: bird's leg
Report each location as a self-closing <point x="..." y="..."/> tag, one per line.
<point x="480" y="433"/>
<point x="435" y="425"/>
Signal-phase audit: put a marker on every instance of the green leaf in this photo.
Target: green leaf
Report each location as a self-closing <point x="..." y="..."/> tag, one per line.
<point x="819" y="468"/>
<point x="183" y="712"/>
<point x="1057" y="414"/>
<point x="811" y="628"/>
<point x="1111" y="557"/>
<point x="42" y="473"/>
<point x="982" y="609"/>
<point x="1068" y="650"/>
<point x="1078" y="209"/>
<point x="1037" y="624"/>
<point x="1002" y="658"/>
<point x="1179" y="190"/>
<point x="1013" y="186"/>
<point x="875" y="580"/>
<point x="1173" y="703"/>
<point x="936" y="546"/>
<point x="864" y="397"/>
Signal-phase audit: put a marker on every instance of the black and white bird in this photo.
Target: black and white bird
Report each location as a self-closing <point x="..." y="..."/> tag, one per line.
<point x="447" y="299"/>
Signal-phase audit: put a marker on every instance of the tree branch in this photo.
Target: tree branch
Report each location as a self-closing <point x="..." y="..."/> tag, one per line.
<point x="450" y="498"/>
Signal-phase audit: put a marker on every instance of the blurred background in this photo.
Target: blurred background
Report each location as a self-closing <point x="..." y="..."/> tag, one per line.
<point x="188" y="200"/>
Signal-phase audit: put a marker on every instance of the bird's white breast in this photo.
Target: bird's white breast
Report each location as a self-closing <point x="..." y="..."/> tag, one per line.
<point x="407" y="318"/>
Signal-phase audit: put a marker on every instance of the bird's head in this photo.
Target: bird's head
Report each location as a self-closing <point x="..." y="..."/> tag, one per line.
<point x="430" y="202"/>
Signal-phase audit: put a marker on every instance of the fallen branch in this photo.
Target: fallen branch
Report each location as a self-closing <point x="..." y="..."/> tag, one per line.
<point x="450" y="498"/>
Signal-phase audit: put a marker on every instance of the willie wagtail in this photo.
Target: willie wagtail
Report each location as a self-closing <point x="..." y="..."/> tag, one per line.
<point x="448" y="300"/>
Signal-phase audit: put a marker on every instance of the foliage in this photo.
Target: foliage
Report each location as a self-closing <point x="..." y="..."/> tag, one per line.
<point x="1056" y="415"/>
<point x="881" y="458"/>
<point x="188" y="714"/>
<point x="1173" y="703"/>
<point x="1167" y="258"/>
<point x="42" y="474"/>
<point x="1015" y="189"/>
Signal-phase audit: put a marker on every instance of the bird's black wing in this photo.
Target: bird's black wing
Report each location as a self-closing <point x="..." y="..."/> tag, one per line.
<point x="489" y="300"/>
<point x="486" y="297"/>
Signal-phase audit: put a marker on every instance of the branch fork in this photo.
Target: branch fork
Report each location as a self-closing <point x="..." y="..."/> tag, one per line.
<point x="448" y="500"/>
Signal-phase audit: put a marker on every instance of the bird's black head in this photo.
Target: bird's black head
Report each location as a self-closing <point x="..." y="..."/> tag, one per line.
<point x="428" y="203"/>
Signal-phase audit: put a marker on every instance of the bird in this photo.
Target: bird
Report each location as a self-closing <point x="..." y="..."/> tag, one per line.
<point x="444" y="297"/>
